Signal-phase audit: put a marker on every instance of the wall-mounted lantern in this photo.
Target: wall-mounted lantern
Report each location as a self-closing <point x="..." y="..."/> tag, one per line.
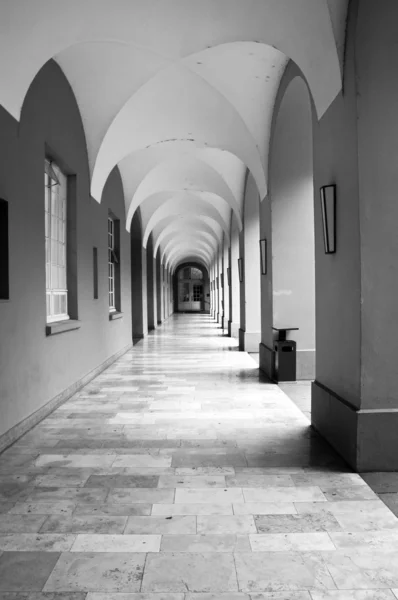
<point x="328" y="209"/>
<point x="240" y="269"/>
<point x="263" y="256"/>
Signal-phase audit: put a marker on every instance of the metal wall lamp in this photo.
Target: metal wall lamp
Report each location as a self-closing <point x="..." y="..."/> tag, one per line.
<point x="263" y="256"/>
<point x="240" y="269"/>
<point x="328" y="210"/>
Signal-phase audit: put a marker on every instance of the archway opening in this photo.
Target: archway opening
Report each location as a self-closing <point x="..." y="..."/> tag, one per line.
<point x="192" y="289"/>
<point x="291" y="190"/>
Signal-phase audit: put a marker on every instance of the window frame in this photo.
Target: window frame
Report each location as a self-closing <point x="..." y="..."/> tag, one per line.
<point x="111" y="265"/>
<point x="114" y="282"/>
<point x="56" y="247"/>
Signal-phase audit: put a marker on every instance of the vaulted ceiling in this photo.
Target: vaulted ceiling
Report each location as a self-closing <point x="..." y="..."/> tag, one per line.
<point x="178" y="94"/>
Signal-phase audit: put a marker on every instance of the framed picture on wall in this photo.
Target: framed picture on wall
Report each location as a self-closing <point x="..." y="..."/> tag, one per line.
<point x="328" y="209"/>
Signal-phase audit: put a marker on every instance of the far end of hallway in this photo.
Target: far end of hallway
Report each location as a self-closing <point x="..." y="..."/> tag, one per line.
<point x="179" y="473"/>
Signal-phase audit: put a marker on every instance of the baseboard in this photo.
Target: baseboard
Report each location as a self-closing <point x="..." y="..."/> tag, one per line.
<point x="12" y="435"/>
<point x="267" y="359"/>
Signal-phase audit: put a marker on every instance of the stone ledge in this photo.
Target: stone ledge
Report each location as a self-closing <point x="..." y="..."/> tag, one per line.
<point x="62" y="326"/>
<point x="113" y="316"/>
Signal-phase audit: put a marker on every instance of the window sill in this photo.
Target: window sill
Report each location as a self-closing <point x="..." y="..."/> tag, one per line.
<point x="115" y="315"/>
<point x="62" y="326"/>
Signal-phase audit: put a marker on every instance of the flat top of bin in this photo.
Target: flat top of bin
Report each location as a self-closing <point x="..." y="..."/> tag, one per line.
<point x="286" y="328"/>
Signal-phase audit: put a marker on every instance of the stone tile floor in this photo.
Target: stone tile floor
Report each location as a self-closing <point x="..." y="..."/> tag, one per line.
<point x="178" y="474"/>
<point x="385" y="484"/>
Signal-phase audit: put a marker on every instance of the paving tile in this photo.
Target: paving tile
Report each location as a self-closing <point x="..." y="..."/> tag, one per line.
<point x="281" y="571"/>
<point x="122" y="481"/>
<point x="75" y="460"/>
<point x="244" y="480"/>
<point x="12" y="523"/>
<point x="282" y="596"/>
<point x="162" y="525"/>
<point x="328" y="480"/>
<point x="25" y="571"/>
<point x="208" y="572"/>
<point x="187" y="481"/>
<point x="5" y="507"/>
<point x="43" y="508"/>
<point x="99" y="596"/>
<point x="354" y="515"/>
<point x="365" y="569"/>
<point x="116" y="543"/>
<point x="48" y="542"/>
<point x="349" y="493"/>
<point x="378" y="540"/>
<point x="354" y="595"/>
<point x="116" y="510"/>
<point x="81" y="495"/>
<point x="205" y="543"/>
<point x="265" y="508"/>
<point x="291" y="542"/>
<point x="192" y="509"/>
<point x="209" y="496"/>
<point x="289" y="494"/>
<point x="100" y="571"/>
<point x="302" y="523"/>
<point x="381" y="483"/>
<point x="57" y="596"/>
<point x="226" y="524"/>
<point x="141" y="495"/>
<point x="142" y="460"/>
<point x="84" y="524"/>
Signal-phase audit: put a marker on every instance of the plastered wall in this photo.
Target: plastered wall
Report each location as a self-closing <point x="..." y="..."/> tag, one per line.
<point x="34" y="368"/>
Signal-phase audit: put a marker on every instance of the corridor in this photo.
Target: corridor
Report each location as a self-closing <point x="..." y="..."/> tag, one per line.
<point x="178" y="475"/>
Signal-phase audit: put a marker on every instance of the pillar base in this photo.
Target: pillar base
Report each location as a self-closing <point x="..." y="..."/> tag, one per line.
<point x="367" y="439"/>
<point x="233" y="329"/>
<point x="249" y="341"/>
<point x="267" y="361"/>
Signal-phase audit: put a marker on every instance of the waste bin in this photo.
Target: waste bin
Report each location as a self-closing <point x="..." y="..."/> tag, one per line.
<point x="284" y="356"/>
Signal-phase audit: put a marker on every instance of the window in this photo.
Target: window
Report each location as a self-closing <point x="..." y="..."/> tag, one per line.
<point x="190" y="273"/>
<point x="113" y="264"/>
<point x="56" y="192"/>
<point x="196" y="273"/>
<point x="4" y="269"/>
<point x="197" y="293"/>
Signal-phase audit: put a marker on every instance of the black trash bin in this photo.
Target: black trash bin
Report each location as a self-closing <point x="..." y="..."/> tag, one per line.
<point x="285" y="356"/>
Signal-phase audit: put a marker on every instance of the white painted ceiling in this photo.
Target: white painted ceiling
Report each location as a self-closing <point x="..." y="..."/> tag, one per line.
<point x="177" y="93"/>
